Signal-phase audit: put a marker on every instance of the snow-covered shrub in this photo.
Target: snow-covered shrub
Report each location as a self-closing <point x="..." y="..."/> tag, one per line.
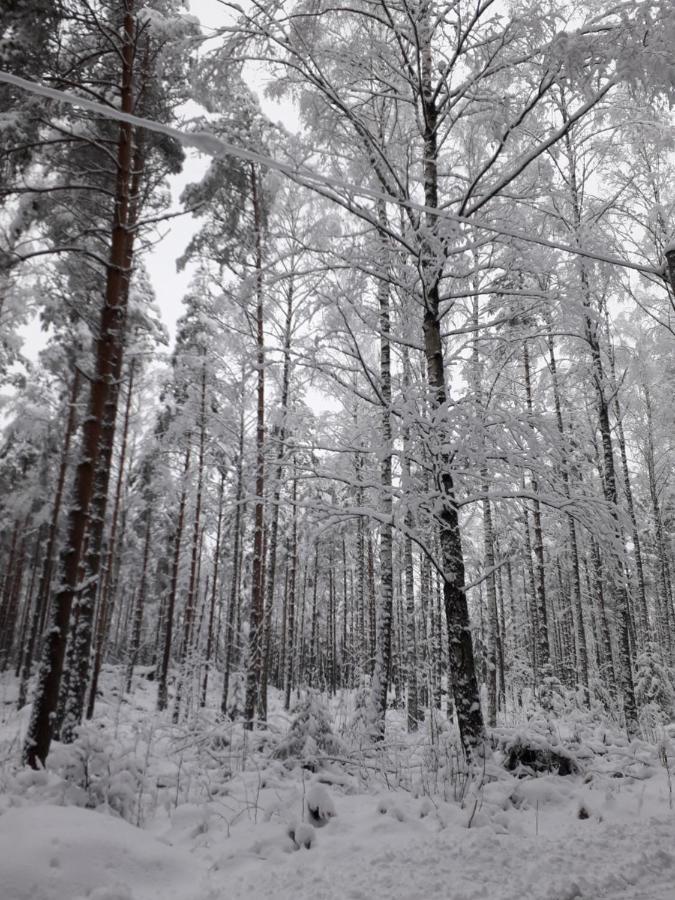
<point x="320" y="806"/>
<point x="310" y="736"/>
<point x="302" y="835"/>
<point x="653" y="692"/>
<point x="357" y="730"/>
<point x="551" y="692"/>
<point x="235" y="700"/>
<point x="531" y="752"/>
<point x="107" y="772"/>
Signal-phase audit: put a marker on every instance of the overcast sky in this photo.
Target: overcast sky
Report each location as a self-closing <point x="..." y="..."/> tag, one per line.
<point x="170" y="286"/>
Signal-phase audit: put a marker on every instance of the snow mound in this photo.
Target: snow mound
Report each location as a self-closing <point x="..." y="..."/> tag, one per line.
<point x="320" y="806"/>
<point x="68" y="853"/>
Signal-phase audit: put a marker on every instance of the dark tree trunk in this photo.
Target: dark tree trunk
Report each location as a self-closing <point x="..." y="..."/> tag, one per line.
<point x="108" y="351"/>
<point x="462" y="667"/>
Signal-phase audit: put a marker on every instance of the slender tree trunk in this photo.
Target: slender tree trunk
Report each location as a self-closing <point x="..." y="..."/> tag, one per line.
<point x="280" y="437"/>
<point x="628" y="493"/>
<point x="609" y="480"/>
<point x="581" y="648"/>
<point x="382" y="662"/>
<point x="48" y="560"/>
<point x="542" y="639"/>
<point x="662" y="564"/>
<point x="233" y="605"/>
<point x="214" y="591"/>
<point x="193" y="584"/>
<point x="163" y="674"/>
<point x="410" y="628"/>
<point x="255" y="641"/>
<point x="292" y="577"/>
<point x="137" y="615"/>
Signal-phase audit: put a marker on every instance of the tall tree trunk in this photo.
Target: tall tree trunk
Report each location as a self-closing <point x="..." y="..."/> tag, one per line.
<point x="410" y="626"/>
<point x="581" y="648"/>
<point x="290" y="625"/>
<point x="193" y="584"/>
<point x="542" y="639"/>
<point x="664" y="598"/>
<point x="255" y="640"/>
<point x="214" y="591"/>
<point x="233" y="605"/>
<point x="379" y="685"/>
<point x="108" y="354"/>
<point x="106" y="590"/>
<point x="279" y="435"/>
<point x="137" y="614"/>
<point x="462" y="667"/>
<point x="165" y="659"/>
<point x="628" y="493"/>
<point x="85" y="604"/>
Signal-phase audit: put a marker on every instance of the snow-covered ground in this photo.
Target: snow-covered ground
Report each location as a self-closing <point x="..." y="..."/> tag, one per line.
<point x="141" y="810"/>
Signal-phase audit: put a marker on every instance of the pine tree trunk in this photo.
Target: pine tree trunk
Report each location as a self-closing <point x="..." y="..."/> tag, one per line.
<point x="108" y="350"/>
<point x="106" y="591"/>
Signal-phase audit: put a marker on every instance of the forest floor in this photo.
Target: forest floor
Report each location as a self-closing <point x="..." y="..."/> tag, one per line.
<point x="140" y="809"/>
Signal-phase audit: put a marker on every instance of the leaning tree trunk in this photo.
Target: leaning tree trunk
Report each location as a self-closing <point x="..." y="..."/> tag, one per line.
<point x="85" y="605"/>
<point x="104" y="610"/>
<point x="108" y="348"/>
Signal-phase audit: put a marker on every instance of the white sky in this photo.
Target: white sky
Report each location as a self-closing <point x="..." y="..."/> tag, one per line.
<point x="170" y="286"/>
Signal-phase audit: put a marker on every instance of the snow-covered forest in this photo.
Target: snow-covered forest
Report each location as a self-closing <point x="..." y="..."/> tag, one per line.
<point x="368" y="551"/>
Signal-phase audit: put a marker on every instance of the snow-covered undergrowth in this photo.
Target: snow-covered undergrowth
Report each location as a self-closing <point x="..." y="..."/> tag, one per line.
<point x="141" y="809"/>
